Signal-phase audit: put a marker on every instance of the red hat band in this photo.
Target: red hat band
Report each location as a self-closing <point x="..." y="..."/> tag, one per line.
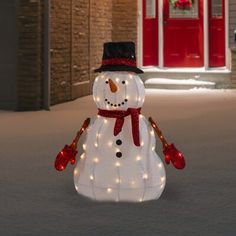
<point x="119" y="61"/>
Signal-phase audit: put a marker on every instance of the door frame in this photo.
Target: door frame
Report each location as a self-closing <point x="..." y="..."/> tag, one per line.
<point x="161" y="35"/>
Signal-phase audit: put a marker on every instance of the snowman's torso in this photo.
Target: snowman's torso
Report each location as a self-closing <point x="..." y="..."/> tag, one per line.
<point x="113" y="168"/>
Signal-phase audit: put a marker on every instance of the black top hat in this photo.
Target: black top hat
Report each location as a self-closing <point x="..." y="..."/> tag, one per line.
<point x="119" y="56"/>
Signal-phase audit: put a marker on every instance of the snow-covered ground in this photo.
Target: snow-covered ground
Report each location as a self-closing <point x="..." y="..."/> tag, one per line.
<point x="37" y="200"/>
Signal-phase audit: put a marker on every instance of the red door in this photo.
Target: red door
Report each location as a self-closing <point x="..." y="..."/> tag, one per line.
<point x="183" y="35"/>
<point x="150" y="32"/>
<point x="216" y="33"/>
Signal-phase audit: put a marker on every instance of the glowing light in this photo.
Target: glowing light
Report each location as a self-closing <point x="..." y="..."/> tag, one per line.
<point x="117" y="80"/>
<point x="152" y="132"/>
<point x="96" y="160"/>
<point x="163" y="179"/>
<point x="141" y="116"/>
<point x="140" y="200"/>
<point x="130" y="76"/>
<point x="98" y="99"/>
<point x="98" y="116"/>
<point x="132" y="182"/>
<point x="82" y="156"/>
<point x="117" y="164"/>
<point x="96" y="144"/>
<point x="162" y="186"/>
<point x="109" y="190"/>
<point x="145" y="176"/>
<point x="142" y="143"/>
<point x="153" y="148"/>
<point x="76" y="188"/>
<point x="138" y="158"/>
<point x="160" y="165"/>
<point x="91" y="177"/>
<point x="105" y="121"/>
<point x="110" y="143"/>
<point x="139" y="99"/>
<point x="84" y="146"/>
<point x="75" y="171"/>
<point x="118" y="181"/>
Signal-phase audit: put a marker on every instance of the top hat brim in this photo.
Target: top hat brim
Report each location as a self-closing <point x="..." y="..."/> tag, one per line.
<point x="119" y="68"/>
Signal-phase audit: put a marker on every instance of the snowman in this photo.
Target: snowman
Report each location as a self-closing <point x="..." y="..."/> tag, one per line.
<point x="119" y="161"/>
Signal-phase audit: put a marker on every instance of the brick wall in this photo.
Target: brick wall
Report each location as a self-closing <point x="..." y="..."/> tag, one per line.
<point x="29" y="55"/>
<point x="233" y="68"/>
<point x="60" y="51"/>
<point x="124" y="20"/>
<point x="232" y="22"/>
<point x="78" y="30"/>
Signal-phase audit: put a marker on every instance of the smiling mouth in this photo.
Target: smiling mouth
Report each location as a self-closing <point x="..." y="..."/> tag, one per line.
<point x="116" y="104"/>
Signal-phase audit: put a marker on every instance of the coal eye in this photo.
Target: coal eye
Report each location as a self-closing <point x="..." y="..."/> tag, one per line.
<point x="107" y="82"/>
<point x="123" y="82"/>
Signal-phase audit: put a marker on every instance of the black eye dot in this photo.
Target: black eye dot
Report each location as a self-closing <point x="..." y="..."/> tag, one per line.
<point x="106" y="100"/>
<point x="123" y="82"/>
<point x="126" y="100"/>
<point x="106" y="82"/>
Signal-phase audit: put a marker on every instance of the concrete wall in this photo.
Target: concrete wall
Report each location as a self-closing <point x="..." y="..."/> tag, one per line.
<point x="8" y="50"/>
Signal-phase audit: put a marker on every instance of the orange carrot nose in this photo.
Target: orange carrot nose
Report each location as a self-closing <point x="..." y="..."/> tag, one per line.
<point x="113" y="86"/>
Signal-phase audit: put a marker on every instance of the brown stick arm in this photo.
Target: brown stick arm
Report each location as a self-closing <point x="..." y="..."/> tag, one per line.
<point x="158" y="131"/>
<point x="80" y="132"/>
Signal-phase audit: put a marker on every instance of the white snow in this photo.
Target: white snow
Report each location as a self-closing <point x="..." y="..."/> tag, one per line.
<point x="179" y="82"/>
<point x="37" y="200"/>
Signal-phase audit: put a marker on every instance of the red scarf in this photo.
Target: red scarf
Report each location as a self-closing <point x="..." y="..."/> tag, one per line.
<point x="120" y="115"/>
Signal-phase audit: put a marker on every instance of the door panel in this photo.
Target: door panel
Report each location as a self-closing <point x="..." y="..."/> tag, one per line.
<point x="150" y="32"/>
<point x="183" y="35"/>
<point x="216" y="33"/>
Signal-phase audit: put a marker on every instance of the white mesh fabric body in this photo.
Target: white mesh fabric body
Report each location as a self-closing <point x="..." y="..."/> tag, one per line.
<point x="139" y="174"/>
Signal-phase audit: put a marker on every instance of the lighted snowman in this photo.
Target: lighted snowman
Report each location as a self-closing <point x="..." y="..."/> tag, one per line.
<point x="119" y="162"/>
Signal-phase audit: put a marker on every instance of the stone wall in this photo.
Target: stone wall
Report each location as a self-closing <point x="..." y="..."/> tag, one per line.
<point x="233" y="68"/>
<point x="78" y="30"/>
<point x="124" y="20"/>
<point x="232" y="22"/>
<point x="29" y="55"/>
<point x="60" y="39"/>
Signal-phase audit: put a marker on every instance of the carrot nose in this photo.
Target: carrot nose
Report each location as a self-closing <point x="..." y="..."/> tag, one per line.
<point x="113" y="86"/>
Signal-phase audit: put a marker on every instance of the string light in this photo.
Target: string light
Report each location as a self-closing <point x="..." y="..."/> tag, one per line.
<point x="152" y="132"/>
<point x="145" y="176"/>
<point x="160" y="165"/>
<point x="117" y="80"/>
<point x="96" y="160"/>
<point x="110" y="143"/>
<point x="91" y="177"/>
<point x="153" y="148"/>
<point x="98" y="99"/>
<point x="138" y="158"/>
<point x="109" y="190"/>
<point x="84" y="146"/>
<point x="75" y="172"/>
<point x="118" y="181"/>
<point x="117" y="164"/>
<point x="105" y="121"/>
<point x="96" y="144"/>
<point x="163" y="179"/>
<point x="82" y="156"/>
<point x="140" y="200"/>
<point x="142" y="143"/>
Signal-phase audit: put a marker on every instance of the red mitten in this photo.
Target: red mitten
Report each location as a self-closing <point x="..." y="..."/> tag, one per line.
<point x="67" y="154"/>
<point x="173" y="155"/>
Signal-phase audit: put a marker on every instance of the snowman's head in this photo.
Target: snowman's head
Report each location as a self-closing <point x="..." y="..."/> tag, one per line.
<point x="118" y="90"/>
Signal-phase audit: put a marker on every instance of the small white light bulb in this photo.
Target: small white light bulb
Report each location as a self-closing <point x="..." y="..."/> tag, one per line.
<point x="91" y="177"/>
<point x="138" y="158"/>
<point x="109" y="190"/>
<point x="110" y="143"/>
<point x="84" y="146"/>
<point x="160" y="165"/>
<point x="117" y="164"/>
<point x="105" y="121"/>
<point x="153" y="148"/>
<point x="96" y="144"/>
<point x="145" y="176"/>
<point x="163" y="179"/>
<point x="95" y="160"/>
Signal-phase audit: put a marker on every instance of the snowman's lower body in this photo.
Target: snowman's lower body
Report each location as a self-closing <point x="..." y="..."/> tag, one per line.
<point x="135" y="185"/>
<point x="112" y="168"/>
